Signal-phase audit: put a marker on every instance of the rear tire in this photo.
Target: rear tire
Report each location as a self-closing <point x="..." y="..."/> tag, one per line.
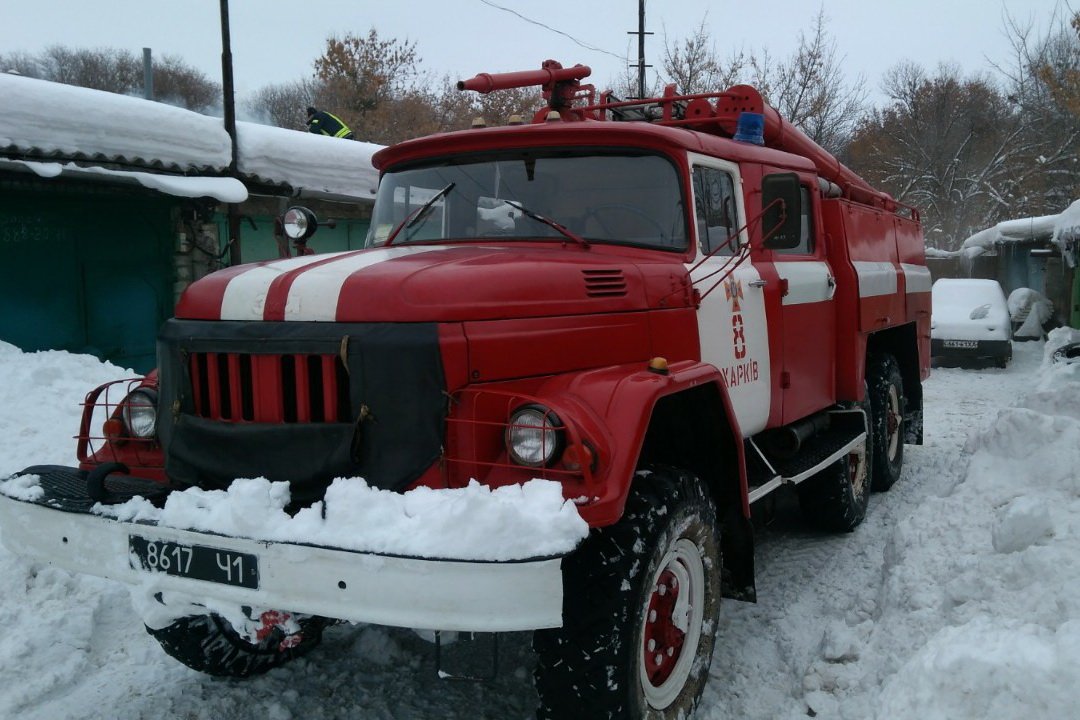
<point x="640" y="604"/>
<point x="209" y="644"/>
<point x="886" y="393"/>
<point x="836" y="499"/>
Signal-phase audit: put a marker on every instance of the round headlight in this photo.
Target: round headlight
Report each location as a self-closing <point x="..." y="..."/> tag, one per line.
<point x="299" y="223"/>
<point x="140" y="412"/>
<point x="534" y="436"/>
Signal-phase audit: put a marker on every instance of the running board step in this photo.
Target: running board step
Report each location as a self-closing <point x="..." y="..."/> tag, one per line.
<point x="846" y="432"/>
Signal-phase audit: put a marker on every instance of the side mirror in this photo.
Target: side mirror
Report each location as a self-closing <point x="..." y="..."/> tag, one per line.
<point x="781" y="200"/>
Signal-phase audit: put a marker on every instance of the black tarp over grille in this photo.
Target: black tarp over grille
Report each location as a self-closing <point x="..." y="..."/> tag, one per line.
<point x="285" y="400"/>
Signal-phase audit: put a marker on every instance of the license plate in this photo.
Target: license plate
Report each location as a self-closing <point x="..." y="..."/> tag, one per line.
<point x="968" y="344"/>
<point x="198" y="562"/>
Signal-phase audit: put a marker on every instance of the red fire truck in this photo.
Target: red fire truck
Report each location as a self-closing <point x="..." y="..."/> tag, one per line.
<point x="674" y="307"/>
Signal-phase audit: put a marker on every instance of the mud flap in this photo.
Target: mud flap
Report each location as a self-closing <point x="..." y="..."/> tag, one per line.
<point x="466" y="655"/>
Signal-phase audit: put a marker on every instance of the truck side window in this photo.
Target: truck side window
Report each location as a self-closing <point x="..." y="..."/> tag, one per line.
<point x="806" y="236"/>
<point x="717" y="220"/>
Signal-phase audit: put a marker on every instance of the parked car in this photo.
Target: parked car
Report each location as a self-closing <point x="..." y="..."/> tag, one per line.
<point x="970" y="323"/>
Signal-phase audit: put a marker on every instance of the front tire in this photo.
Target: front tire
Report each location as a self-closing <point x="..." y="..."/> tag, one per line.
<point x="209" y="644"/>
<point x="641" y="599"/>
<point x="886" y="393"/>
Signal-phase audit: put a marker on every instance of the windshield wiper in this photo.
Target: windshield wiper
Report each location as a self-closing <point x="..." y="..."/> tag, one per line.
<point x="417" y="216"/>
<point x="562" y="229"/>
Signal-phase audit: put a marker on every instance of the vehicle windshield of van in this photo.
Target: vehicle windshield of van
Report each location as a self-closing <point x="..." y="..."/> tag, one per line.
<point x="628" y="199"/>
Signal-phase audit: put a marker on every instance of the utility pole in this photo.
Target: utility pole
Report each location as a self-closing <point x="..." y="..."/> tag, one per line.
<point x="148" y="74"/>
<point x="230" y="127"/>
<point x="641" y="48"/>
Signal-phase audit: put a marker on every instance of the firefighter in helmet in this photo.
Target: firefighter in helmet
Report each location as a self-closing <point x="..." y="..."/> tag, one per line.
<point x="321" y="122"/>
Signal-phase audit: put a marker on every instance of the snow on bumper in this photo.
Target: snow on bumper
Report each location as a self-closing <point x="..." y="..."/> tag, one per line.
<point x="468" y="595"/>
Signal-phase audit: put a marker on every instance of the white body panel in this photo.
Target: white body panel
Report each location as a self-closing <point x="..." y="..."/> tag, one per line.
<point x="808" y="281"/>
<point x="916" y="278"/>
<point x="341" y="584"/>
<point x="875" y="278"/>
<point x="313" y="295"/>
<point x="739" y="349"/>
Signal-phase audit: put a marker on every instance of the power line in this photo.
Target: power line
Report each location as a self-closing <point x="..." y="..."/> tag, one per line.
<point x="558" y="32"/>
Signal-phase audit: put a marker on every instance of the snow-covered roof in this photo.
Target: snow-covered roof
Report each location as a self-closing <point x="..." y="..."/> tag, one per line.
<point x="1067" y="233"/>
<point x="1020" y="230"/>
<point x="71" y="127"/>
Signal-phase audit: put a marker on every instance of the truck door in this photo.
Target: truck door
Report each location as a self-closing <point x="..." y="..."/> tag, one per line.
<point x="731" y="319"/>
<point x="807" y="376"/>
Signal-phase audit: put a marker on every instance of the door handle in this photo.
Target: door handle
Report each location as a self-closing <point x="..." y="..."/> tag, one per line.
<point x="757" y="283"/>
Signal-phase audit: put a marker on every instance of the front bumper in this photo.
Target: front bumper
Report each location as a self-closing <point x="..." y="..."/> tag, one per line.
<point x="342" y="584"/>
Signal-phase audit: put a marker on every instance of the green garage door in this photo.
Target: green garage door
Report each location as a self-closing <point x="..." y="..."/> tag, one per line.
<point x="85" y="270"/>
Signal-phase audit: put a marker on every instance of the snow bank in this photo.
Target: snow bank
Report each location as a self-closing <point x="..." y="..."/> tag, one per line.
<point x="989" y="668"/>
<point x="40" y="403"/>
<point x="472" y="523"/>
<point x="986" y="578"/>
<point x="1031" y="309"/>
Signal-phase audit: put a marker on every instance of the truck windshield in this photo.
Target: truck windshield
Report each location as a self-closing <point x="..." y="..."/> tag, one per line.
<point x="629" y="199"/>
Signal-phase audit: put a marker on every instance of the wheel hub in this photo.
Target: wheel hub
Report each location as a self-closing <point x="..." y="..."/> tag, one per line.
<point x="672" y="624"/>
<point x="893" y="420"/>
<point x="663" y="638"/>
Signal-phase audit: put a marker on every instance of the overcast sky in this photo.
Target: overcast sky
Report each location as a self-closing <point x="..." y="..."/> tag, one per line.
<point x="277" y="40"/>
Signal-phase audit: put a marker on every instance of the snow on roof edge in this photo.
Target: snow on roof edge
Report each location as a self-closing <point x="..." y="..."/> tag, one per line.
<point x="48" y="122"/>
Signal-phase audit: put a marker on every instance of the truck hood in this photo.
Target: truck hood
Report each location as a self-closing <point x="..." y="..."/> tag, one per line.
<point x="436" y="283"/>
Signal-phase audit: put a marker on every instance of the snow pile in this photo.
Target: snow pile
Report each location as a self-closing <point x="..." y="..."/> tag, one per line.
<point x="40" y="404"/>
<point x="997" y="603"/>
<point x="1032" y="310"/>
<point x="472" y="523"/>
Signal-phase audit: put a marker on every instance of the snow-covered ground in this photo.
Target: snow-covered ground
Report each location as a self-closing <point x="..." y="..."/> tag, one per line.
<point x="959" y="597"/>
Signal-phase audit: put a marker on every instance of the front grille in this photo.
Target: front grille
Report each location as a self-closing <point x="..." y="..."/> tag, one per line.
<point x="244" y="387"/>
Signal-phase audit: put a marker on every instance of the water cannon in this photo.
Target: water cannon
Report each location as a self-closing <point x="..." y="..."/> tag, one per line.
<point x="560" y="86"/>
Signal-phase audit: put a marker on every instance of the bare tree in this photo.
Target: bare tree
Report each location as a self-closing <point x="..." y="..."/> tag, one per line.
<point x="952" y="146"/>
<point x="284" y="104"/>
<point x="358" y="74"/>
<point x="810" y="89"/>
<point x="118" y="71"/>
<point x="1042" y="81"/>
<point x="695" y="67"/>
<point x="177" y="82"/>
